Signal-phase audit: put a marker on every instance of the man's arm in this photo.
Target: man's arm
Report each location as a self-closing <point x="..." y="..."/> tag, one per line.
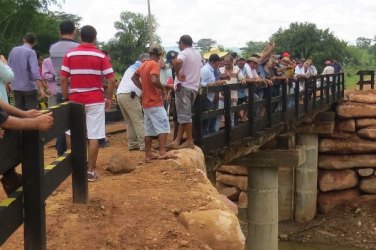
<point x="136" y="81"/>
<point x="64" y="87"/>
<point x="42" y="122"/>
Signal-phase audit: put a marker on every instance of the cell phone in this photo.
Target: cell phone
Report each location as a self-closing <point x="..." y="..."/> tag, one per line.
<point x="133" y="94"/>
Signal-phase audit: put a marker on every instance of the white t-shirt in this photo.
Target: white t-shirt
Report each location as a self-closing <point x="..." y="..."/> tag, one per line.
<point x="236" y="77"/>
<point x="126" y="85"/>
<point x="191" y="69"/>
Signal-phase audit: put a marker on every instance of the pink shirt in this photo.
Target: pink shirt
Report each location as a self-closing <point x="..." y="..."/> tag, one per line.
<point x="191" y="69"/>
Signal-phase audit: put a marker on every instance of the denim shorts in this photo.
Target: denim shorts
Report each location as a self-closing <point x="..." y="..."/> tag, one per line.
<point x="156" y="121"/>
<point x="184" y="99"/>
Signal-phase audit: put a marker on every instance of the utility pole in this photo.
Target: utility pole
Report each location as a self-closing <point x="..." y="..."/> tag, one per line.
<point x="149" y="24"/>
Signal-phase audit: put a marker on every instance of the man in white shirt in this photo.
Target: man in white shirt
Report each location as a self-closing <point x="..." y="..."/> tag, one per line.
<point x="128" y="99"/>
<point x="187" y="82"/>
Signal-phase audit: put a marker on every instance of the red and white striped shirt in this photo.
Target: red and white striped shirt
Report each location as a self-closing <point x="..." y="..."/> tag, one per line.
<point x="85" y="65"/>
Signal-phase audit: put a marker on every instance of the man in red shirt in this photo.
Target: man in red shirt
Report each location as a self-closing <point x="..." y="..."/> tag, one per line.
<point x="85" y="65"/>
<point x="153" y="93"/>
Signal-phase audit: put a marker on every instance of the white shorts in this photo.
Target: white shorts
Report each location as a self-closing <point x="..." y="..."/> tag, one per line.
<point x="156" y="121"/>
<point x="95" y="121"/>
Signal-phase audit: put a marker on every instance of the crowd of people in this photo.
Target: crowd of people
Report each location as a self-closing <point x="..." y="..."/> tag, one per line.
<point x="150" y="90"/>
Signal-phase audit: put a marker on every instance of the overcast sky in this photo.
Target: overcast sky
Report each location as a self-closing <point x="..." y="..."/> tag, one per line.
<point x="231" y="22"/>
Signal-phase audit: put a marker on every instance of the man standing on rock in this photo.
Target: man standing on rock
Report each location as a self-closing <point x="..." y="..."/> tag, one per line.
<point x="85" y="65"/>
<point x="153" y="93"/>
<point x="187" y="82"/>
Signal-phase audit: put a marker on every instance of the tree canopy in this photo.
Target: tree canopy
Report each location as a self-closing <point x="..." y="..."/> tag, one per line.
<point x="131" y="39"/>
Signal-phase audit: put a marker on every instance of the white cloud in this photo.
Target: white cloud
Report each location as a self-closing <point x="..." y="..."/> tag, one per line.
<point x="232" y="23"/>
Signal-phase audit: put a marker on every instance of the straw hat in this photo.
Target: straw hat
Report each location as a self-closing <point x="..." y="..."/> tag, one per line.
<point x="214" y="51"/>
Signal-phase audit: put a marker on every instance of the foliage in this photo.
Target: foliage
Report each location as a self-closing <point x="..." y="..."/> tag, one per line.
<point x="305" y="40"/>
<point x="251" y="48"/>
<point x="205" y="44"/>
<point x="19" y="17"/>
<point x="131" y="39"/>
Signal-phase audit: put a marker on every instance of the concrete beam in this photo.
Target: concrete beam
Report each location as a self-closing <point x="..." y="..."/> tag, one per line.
<point x="293" y="157"/>
<point x="324" y="123"/>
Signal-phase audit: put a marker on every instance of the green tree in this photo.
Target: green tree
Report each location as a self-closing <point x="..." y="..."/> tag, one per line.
<point x="251" y="48"/>
<point x="363" y="42"/>
<point x="205" y="44"/>
<point x="131" y="39"/>
<point x="305" y="40"/>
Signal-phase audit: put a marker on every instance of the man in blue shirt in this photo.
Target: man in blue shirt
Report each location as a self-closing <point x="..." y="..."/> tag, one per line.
<point x="209" y="101"/>
<point x="24" y="63"/>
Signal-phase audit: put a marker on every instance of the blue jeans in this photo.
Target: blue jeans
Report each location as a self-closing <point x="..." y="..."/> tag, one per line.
<point x="61" y="144"/>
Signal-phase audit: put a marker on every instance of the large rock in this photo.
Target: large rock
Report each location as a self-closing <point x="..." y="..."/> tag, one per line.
<point x="368" y="96"/>
<point x="353" y="145"/>
<point x="235" y="181"/>
<point x="231" y="193"/>
<point x="368" y="132"/>
<point x="368" y="185"/>
<point x="121" y="164"/>
<point x="243" y="200"/>
<point x="365" y="172"/>
<point x="329" y="180"/>
<point x="233" y="169"/>
<point x="338" y="135"/>
<point x="218" y="229"/>
<point x="329" y="200"/>
<point x="231" y="205"/>
<point x="347" y="125"/>
<point x="366" y="122"/>
<point x="356" y="110"/>
<point x="346" y="161"/>
<point x="190" y="158"/>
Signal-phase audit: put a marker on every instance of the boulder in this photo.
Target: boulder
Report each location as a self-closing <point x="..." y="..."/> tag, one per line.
<point x="346" y="161"/>
<point x="190" y="158"/>
<point x="368" y="132"/>
<point x="231" y="205"/>
<point x="218" y="229"/>
<point x="337" y="135"/>
<point x="368" y="185"/>
<point x="368" y="96"/>
<point x="233" y="169"/>
<point x="365" y="172"/>
<point x="347" y="125"/>
<point x="347" y="146"/>
<point x="121" y="164"/>
<point x="356" y="110"/>
<point x="219" y="185"/>
<point x="329" y="180"/>
<point x="243" y="199"/>
<point x="366" y="122"/>
<point x="231" y="193"/>
<point x="235" y="181"/>
<point x="329" y="200"/>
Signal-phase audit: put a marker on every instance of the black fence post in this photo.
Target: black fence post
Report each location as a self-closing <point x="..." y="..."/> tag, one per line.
<point x="306" y="95"/>
<point x="327" y="92"/>
<point x="269" y="110"/>
<point x="284" y="94"/>
<point x="79" y="152"/>
<point x="322" y="83"/>
<point x="197" y="120"/>
<point x="227" y="105"/>
<point x="297" y="98"/>
<point x="33" y="188"/>
<point x="333" y="87"/>
<point x="251" y="110"/>
<point x="343" y="85"/>
<point x="314" y="89"/>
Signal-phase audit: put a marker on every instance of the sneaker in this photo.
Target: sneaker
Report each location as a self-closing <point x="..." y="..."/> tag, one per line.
<point x="92" y="176"/>
<point x="11" y="182"/>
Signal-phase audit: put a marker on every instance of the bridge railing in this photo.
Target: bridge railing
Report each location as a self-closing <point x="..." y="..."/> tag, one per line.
<point x="27" y="204"/>
<point x="287" y="100"/>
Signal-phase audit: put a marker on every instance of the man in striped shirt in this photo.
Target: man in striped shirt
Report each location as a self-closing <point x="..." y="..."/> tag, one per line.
<point x="85" y="66"/>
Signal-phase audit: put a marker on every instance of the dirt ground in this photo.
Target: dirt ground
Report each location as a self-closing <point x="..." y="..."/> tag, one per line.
<point x="139" y="211"/>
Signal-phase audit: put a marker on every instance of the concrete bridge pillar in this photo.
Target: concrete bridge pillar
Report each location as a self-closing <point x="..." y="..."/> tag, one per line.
<point x="306" y="180"/>
<point x="262" y="208"/>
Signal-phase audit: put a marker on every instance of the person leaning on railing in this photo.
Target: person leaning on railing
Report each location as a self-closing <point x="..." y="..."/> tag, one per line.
<point x="14" y="118"/>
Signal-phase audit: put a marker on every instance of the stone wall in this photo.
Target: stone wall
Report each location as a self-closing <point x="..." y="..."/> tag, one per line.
<point x="346" y="161"/>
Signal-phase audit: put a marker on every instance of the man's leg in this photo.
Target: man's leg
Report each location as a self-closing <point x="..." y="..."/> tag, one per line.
<point x="61" y="144"/>
<point x="19" y="101"/>
<point x="31" y="99"/>
<point x="93" y="148"/>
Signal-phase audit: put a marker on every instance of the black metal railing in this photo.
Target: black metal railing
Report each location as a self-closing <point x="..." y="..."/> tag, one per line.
<point x="286" y="100"/>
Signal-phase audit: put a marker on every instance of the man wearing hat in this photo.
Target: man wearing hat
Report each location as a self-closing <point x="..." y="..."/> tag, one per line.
<point x="155" y="117"/>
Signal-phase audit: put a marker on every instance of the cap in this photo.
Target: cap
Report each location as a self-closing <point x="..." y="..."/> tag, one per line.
<point x="155" y="49"/>
<point x="257" y="55"/>
<point x="171" y="55"/>
<point x="285" y="54"/>
<point x="253" y="59"/>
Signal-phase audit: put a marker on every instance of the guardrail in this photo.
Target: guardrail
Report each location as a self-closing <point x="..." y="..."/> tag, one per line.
<point x="282" y="103"/>
<point x="27" y="204"/>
